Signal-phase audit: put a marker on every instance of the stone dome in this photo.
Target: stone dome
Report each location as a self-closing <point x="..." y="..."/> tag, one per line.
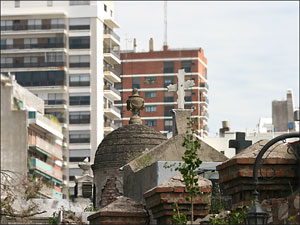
<point x="125" y="144"/>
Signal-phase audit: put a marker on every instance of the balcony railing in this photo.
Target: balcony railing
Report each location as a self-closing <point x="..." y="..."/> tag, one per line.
<point x="106" y="106"/>
<point x="33" y="27"/>
<point x="32" y="46"/>
<point x="47" y="147"/>
<point x="111" y="69"/>
<point x="45" y="168"/>
<point x="107" y="124"/>
<point x="112" y="34"/>
<point x="204" y="85"/>
<point x="55" y="102"/>
<point x="28" y="65"/>
<point x="106" y="87"/>
<point x="114" y="52"/>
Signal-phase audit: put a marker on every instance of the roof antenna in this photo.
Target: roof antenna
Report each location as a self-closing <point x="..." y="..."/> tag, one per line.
<point x="166" y="24"/>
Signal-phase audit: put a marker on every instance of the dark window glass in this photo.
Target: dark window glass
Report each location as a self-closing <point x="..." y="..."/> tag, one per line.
<point x="79" y="100"/>
<point x="168" y="124"/>
<point x="169" y="67"/>
<point x="41" y="78"/>
<point x="151" y="123"/>
<point x="167" y="110"/>
<point x="79" y="136"/>
<point x="80" y="80"/>
<point x="79" y="117"/>
<point x="136" y="82"/>
<point x="150" y="80"/>
<point x="168" y="81"/>
<point x="79" y="42"/>
<point x="150" y="94"/>
<point x="186" y="65"/>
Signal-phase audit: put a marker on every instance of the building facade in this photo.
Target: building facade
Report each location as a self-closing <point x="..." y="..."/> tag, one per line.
<point x="66" y="53"/>
<point x="151" y="72"/>
<point x="31" y="142"/>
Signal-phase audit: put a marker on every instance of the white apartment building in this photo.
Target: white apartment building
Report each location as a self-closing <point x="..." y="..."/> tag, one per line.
<point x="66" y="53"/>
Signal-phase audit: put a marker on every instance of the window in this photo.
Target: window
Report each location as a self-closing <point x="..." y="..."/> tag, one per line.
<point x="169" y="67"/>
<point x="168" y="125"/>
<point x="17" y="3"/>
<point x="79" y="42"/>
<point x="78" y="2"/>
<point x="6" y="60"/>
<point x="30" y="42"/>
<point x="151" y="123"/>
<point x="34" y="24"/>
<point x="135" y="82"/>
<point x="169" y="96"/>
<point x="79" y="152"/>
<point x="150" y="80"/>
<point x="79" y="61"/>
<point x="150" y="94"/>
<point x="79" y="24"/>
<point x="188" y="95"/>
<point x="49" y="3"/>
<point x="79" y="99"/>
<point x="80" y="80"/>
<point x="105" y="8"/>
<point x="55" y="99"/>
<point x="6" y="24"/>
<point x="41" y="78"/>
<point x="168" y="81"/>
<point x="186" y="65"/>
<point x="57" y="23"/>
<point x="58" y="115"/>
<point x="79" y="136"/>
<point x="167" y="110"/>
<point x="150" y="108"/>
<point x="79" y="117"/>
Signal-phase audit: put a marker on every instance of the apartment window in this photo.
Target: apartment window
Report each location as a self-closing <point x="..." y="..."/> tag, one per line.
<point x="79" y="80"/>
<point x="151" y="123"/>
<point x="79" y="24"/>
<point x="6" y="60"/>
<point x="79" y="136"/>
<point x="169" y="96"/>
<point x="78" y="155"/>
<point x="79" y="61"/>
<point x="17" y="3"/>
<point x="167" y="110"/>
<point x="168" y="125"/>
<point x="30" y="59"/>
<point x="150" y="94"/>
<point x="77" y="2"/>
<point x="150" y="108"/>
<point x="168" y="81"/>
<point x="186" y="65"/>
<point x="6" y="24"/>
<point x="41" y="78"/>
<point x="105" y="7"/>
<point x="80" y="99"/>
<point x="136" y="82"/>
<point x="54" y="57"/>
<point x="169" y="67"/>
<point x="188" y="96"/>
<point x="57" y="23"/>
<point x="49" y="3"/>
<point x="30" y="42"/>
<point x="79" y="42"/>
<point x="59" y="115"/>
<point x="150" y="80"/>
<point x="55" y="99"/>
<point x="34" y="24"/>
<point x="79" y="117"/>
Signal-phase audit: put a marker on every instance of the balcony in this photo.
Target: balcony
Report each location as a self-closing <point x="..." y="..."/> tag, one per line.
<point x="111" y="93"/>
<point x="111" y="74"/>
<point x="32" y="65"/>
<point x="112" y="56"/>
<point x="33" y="46"/>
<point x="57" y="194"/>
<point x="112" y="111"/>
<point x="45" y="170"/>
<point x="205" y="86"/>
<point x="111" y="23"/>
<point x="55" y="104"/>
<point x="39" y="121"/>
<point x="46" y="148"/>
<point x="110" y="36"/>
<point x="32" y="27"/>
<point x="109" y="127"/>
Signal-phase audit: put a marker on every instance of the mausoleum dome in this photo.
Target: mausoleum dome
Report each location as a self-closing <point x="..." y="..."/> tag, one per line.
<point x="125" y="144"/>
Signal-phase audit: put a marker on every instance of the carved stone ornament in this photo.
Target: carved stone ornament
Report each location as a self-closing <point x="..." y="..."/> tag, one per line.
<point x="135" y="104"/>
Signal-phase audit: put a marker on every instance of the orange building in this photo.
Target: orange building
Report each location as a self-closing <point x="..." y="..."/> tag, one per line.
<point x="151" y="72"/>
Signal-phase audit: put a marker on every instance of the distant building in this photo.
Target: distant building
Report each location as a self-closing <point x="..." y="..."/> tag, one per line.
<point x="67" y="53"/>
<point x="31" y="142"/>
<point x="283" y="113"/>
<point x="151" y="72"/>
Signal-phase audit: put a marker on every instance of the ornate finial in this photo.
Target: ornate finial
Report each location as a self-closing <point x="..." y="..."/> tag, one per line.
<point x="85" y="166"/>
<point x="135" y="104"/>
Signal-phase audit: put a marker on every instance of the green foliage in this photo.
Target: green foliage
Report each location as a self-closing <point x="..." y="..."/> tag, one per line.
<point x="53" y="219"/>
<point x="178" y="218"/>
<point x="90" y="208"/>
<point x="236" y="216"/>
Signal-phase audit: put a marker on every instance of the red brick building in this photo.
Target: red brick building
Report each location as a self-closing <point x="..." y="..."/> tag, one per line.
<point x="151" y="72"/>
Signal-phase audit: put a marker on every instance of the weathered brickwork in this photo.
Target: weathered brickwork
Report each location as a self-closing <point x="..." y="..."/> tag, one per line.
<point x="160" y="200"/>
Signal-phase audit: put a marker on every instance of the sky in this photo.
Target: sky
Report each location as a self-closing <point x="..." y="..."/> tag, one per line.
<point x="252" y="50"/>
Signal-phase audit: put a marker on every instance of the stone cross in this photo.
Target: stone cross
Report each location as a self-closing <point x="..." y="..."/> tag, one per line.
<point x="239" y="143"/>
<point x="179" y="87"/>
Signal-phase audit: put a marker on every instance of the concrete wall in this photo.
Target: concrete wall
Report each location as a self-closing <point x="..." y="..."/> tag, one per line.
<point x="13" y="135"/>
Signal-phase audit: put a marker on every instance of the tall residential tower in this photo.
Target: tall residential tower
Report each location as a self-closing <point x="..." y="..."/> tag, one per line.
<point x="67" y="53"/>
